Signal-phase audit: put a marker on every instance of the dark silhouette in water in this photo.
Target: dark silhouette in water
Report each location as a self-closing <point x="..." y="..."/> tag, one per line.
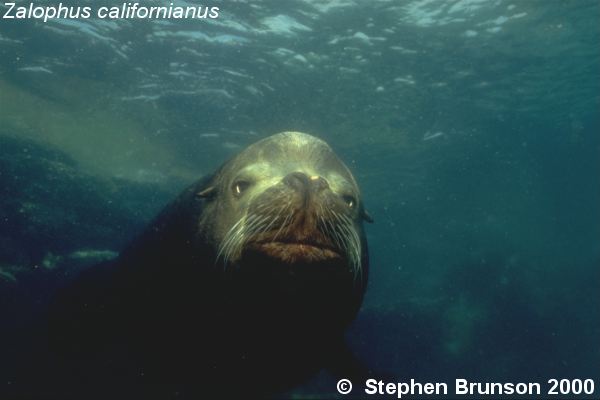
<point x="243" y="285"/>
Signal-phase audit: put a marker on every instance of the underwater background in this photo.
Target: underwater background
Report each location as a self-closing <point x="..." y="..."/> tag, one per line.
<point x="472" y="127"/>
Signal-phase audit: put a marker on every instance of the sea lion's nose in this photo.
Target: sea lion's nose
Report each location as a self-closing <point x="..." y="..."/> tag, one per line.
<point x="302" y="182"/>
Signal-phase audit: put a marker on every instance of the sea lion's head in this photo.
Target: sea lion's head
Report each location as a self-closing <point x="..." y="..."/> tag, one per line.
<point x="288" y="201"/>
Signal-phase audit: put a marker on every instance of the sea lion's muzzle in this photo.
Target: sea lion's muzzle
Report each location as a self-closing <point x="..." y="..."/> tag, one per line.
<point x="308" y="194"/>
<point x="301" y="232"/>
<point x="307" y="198"/>
<point x="302" y="183"/>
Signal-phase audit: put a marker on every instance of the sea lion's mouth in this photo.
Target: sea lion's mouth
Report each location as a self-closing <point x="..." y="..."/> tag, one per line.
<point x="293" y="251"/>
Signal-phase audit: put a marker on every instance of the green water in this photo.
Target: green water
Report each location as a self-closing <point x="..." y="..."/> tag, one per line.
<point x="471" y="127"/>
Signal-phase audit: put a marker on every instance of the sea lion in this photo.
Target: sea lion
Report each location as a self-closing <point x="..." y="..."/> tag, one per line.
<point x="242" y="285"/>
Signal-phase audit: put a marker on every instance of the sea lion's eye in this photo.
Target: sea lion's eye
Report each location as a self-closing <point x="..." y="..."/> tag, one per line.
<point x="349" y="200"/>
<point x="239" y="187"/>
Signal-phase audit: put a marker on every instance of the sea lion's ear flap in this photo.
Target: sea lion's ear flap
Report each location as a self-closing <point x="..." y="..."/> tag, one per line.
<point x="207" y="193"/>
<point x="366" y="216"/>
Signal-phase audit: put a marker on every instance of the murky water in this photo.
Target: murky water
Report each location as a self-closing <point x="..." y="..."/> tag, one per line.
<point x="471" y="126"/>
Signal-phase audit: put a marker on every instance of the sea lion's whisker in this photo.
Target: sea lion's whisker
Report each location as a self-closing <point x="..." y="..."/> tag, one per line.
<point x="338" y="234"/>
<point x="236" y="236"/>
<point x="228" y="237"/>
<point x="333" y="233"/>
<point x="322" y="226"/>
<point x="328" y="227"/>
<point x="339" y="238"/>
<point x="285" y="222"/>
<point x="351" y="241"/>
<point x="252" y="226"/>
<point x="275" y="218"/>
<point x="354" y="239"/>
